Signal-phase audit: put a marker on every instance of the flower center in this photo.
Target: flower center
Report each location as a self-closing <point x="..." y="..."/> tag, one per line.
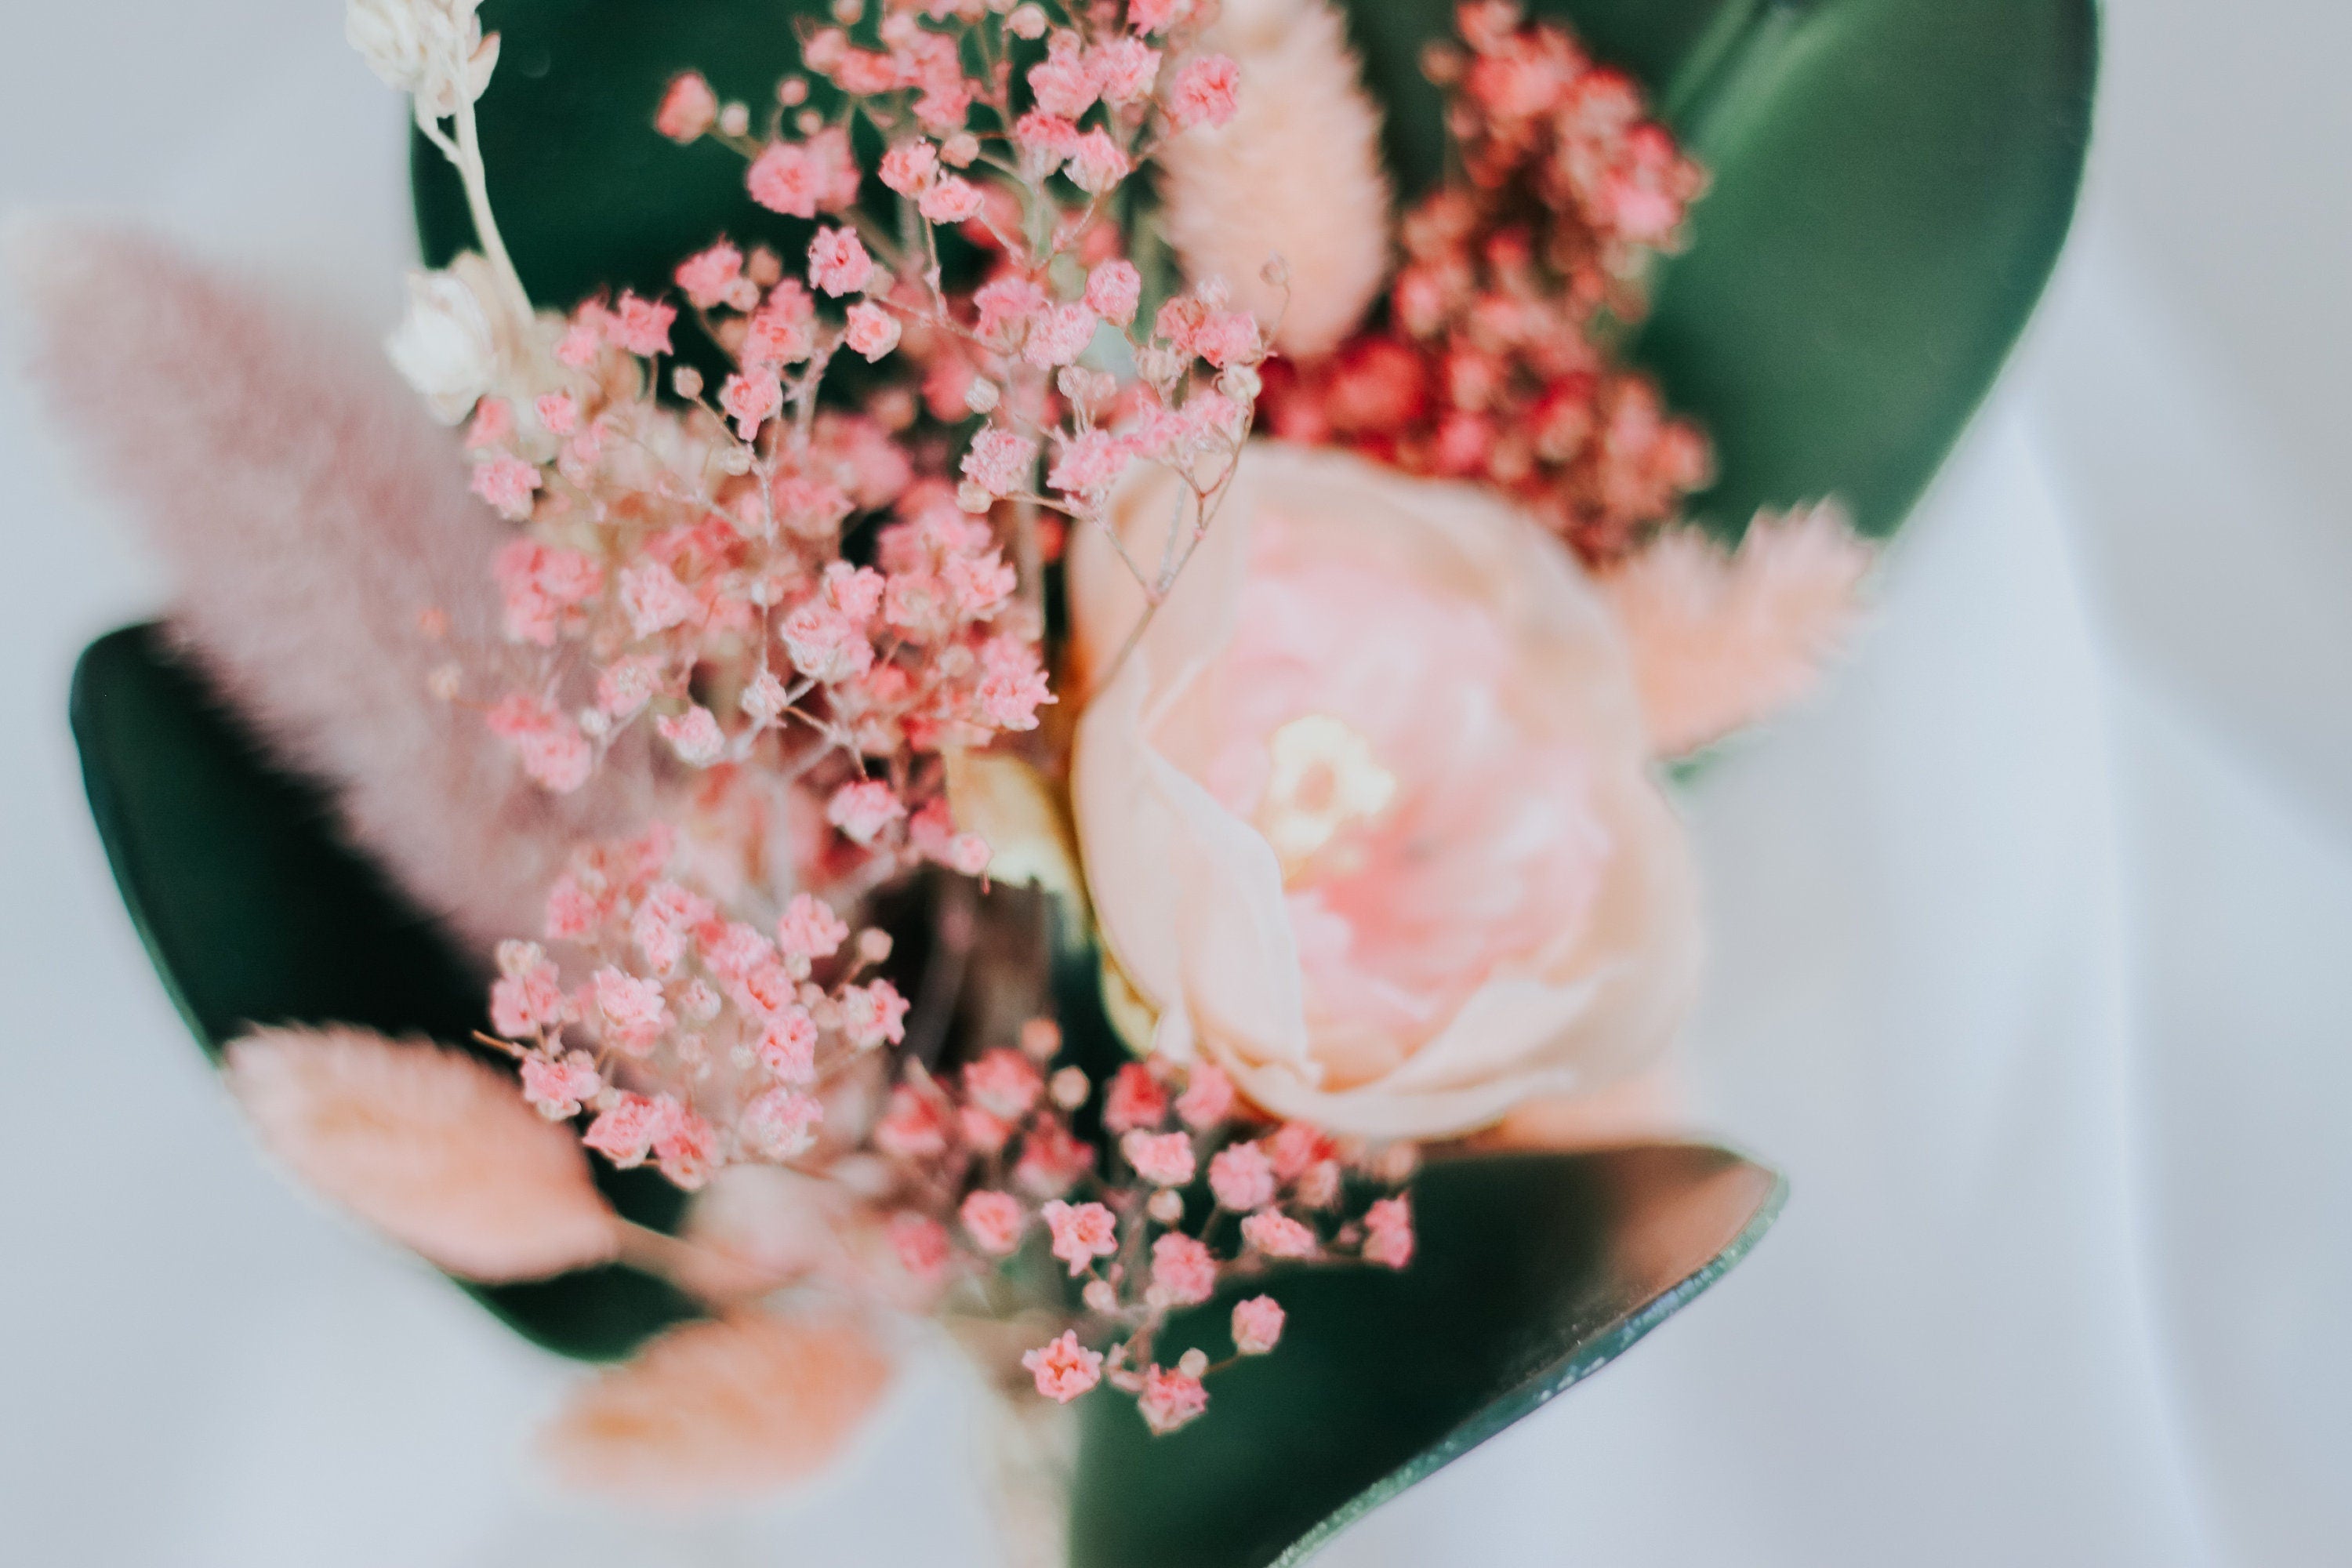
<point x="1324" y="780"/>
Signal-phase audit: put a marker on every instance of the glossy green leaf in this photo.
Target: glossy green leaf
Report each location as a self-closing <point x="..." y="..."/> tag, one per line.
<point x="255" y="912"/>
<point x="1534" y="1271"/>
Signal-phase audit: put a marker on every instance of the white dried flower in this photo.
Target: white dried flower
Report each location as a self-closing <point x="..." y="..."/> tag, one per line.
<point x="445" y="347"/>
<point x="432" y="49"/>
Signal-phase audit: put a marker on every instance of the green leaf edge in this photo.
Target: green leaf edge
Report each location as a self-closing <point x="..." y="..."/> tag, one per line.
<point x="1509" y="1411"/>
<point x="523" y="1305"/>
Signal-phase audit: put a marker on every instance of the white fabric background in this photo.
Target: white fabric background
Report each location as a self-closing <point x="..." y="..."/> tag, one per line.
<point x="2033" y="961"/>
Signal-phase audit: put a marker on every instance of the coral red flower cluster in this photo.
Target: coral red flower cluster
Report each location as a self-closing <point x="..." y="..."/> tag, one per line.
<point x="1186" y="1196"/>
<point x="1495" y="362"/>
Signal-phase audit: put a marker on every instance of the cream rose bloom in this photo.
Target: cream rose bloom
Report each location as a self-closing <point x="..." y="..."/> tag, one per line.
<point x="1367" y="815"/>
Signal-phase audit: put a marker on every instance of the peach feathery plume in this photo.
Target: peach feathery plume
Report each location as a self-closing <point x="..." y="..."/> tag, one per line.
<point x="430" y="1146"/>
<point x="731" y="1408"/>
<point x="1723" y="638"/>
<point x="1296" y="175"/>
<point x="324" y="555"/>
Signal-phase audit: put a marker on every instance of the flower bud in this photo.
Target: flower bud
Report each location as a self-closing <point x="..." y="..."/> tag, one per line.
<point x="445" y="346"/>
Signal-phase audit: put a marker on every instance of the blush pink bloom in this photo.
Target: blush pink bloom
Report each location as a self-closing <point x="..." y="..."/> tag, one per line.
<point x="1185" y="1269"/>
<point x="1170" y="1399"/>
<point x="913" y="1128"/>
<point x="653" y="598"/>
<point x="529" y="995"/>
<point x="1082" y="1233"/>
<point x="809" y="927"/>
<point x="1241" y="1177"/>
<point x="1096" y="164"/>
<point x="709" y="277"/>
<point x="640" y="327"/>
<point x="1154" y="16"/>
<point x="1278" y="1235"/>
<point x="1163" y="1159"/>
<point x="1051" y="1161"/>
<point x="1004" y="1083"/>
<point x="837" y="261"/>
<point x="733" y="1409"/>
<point x="873" y="1015"/>
<point x="1000" y="461"/>
<point x="558" y="1089"/>
<point x="1064" y="1369"/>
<point x="1207" y="1100"/>
<point x="1397" y="862"/>
<point x="922" y="1244"/>
<point x="863" y="811"/>
<point x="694" y="735"/>
<point x="687" y="110"/>
<point x="1124" y="68"/>
<point x="783" y="179"/>
<point x="1089" y="463"/>
<point x="429" y="1146"/>
<point x="1112" y="290"/>
<point x="1721" y="640"/>
<point x="910" y="167"/>
<point x="1205" y="92"/>
<point x="1257" y="1325"/>
<point x="952" y="200"/>
<point x="1062" y="83"/>
<point x="1387" y="1233"/>
<point x="1059" y="334"/>
<point x="1136" y="1099"/>
<point x="751" y="400"/>
<point x="873" y="332"/>
<point x="634" y="1011"/>
<point x="994" y="1220"/>
<point x="787" y="1047"/>
<point x="781" y="1123"/>
<point x="508" y="484"/>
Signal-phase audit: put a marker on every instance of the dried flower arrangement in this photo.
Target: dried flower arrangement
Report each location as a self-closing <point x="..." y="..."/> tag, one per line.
<point x="1072" y="756"/>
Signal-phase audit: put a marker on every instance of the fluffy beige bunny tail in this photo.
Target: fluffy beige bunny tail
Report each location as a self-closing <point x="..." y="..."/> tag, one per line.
<point x="310" y="512"/>
<point x="1296" y="175"/>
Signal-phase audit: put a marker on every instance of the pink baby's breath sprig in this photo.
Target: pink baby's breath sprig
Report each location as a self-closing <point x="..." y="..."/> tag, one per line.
<point x="1135" y="1226"/>
<point x="789" y="604"/>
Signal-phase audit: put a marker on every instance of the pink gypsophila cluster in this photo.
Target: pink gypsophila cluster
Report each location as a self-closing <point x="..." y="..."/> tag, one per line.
<point x="1495" y="363"/>
<point x="998" y="1134"/>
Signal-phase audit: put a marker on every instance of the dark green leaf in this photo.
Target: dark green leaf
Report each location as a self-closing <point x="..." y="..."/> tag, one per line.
<point x="255" y="912"/>
<point x="1534" y="1271"/>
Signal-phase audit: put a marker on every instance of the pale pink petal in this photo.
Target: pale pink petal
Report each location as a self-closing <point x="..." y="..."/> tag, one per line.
<point x="1721" y="640"/>
<point x="727" y="1410"/>
<point x="434" y="1148"/>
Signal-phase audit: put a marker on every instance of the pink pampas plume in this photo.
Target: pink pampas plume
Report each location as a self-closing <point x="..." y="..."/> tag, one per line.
<point x="318" y="533"/>
<point x="430" y="1146"/>
<point x="1723" y="638"/>
<point x="1296" y="175"/>
<point x="730" y="1409"/>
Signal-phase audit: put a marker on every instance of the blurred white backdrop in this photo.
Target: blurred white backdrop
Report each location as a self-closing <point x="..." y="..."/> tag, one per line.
<point x="2033" y="958"/>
